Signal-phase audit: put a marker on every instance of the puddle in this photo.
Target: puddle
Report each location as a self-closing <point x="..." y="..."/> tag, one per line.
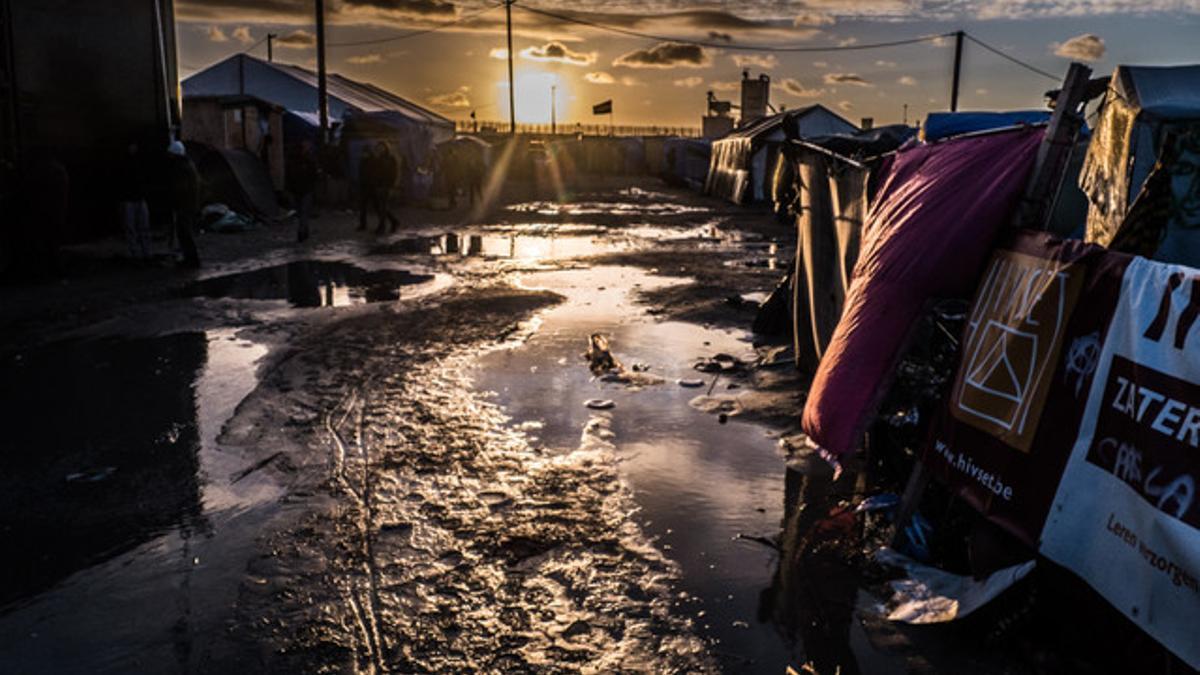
<point x="312" y="283"/>
<point x="699" y="484"/>
<point x="507" y="245"/>
<point x="135" y="565"/>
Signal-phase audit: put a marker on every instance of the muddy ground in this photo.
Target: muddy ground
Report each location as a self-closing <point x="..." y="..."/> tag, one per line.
<point x="373" y="454"/>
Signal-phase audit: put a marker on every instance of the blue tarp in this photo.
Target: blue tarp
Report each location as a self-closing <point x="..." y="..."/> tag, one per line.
<point x="945" y="124"/>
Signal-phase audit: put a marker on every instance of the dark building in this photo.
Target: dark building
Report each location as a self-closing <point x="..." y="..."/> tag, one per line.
<point x="80" y="81"/>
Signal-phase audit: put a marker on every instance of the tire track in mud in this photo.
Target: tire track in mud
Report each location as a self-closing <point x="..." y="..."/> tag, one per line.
<point x="433" y="537"/>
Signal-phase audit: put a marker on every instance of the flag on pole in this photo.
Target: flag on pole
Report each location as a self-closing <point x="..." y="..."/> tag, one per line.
<point x="604" y="108"/>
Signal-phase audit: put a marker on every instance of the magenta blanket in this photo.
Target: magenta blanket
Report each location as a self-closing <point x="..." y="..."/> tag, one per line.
<point x="928" y="234"/>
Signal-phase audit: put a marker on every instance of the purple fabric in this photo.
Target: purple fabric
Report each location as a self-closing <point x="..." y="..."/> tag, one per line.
<point x="929" y="232"/>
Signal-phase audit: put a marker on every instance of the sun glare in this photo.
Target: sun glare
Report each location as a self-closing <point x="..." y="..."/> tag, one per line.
<point x="534" y="95"/>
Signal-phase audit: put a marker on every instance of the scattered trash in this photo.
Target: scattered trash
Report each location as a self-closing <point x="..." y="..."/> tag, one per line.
<point x="600" y="359"/>
<point x="930" y="595"/>
<point x="758" y="539"/>
<point x="881" y="502"/>
<point x="599" y="403"/>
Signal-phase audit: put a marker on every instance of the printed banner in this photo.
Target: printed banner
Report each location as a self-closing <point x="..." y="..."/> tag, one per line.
<point x="1028" y="352"/>
<point x="1126" y="517"/>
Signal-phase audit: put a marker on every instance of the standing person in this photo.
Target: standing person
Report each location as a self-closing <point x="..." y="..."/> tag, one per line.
<point x="368" y="185"/>
<point x="388" y="171"/>
<point x="183" y="181"/>
<point x="301" y="179"/>
<point x="134" y="212"/>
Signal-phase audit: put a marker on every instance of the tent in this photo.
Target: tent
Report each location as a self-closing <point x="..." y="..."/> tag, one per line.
<point x="743" y="161"/>
<point x="1141" y="170"/>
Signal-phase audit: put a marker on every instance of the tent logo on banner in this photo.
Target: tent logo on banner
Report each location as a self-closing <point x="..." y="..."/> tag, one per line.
<point x="1013" y="341"/>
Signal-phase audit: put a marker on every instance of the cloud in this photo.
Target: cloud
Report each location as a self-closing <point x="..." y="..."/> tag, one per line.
<point x="454" y="100"/>
<point x="409" y="7"/>
<point x="364" y="59"/>
<point x="820" y="64"/>
<point x="498" y="53"/>
<point x="885" y="64"/>
<point x="845" y="106"/>
<point x="846" y="42"/>
<point x="795" y="88"/>
<point x="982" y="92"/>
<point x="1086" y="47"/>
<point x="813" y="19"/>
<point x="689" y="82"/>
<point x="242" y="35"/>
<point x="599" y="77"/>
<point x="847" y="78"/>
<point x="735" y="85"/>
<point x="557" y="52"/>
<point x="216" y="34"/>
<point x="297" y="39"/>
<point x="767" y="61"/>
<point x="907" y="80"/>
<point x="665" y="55"/>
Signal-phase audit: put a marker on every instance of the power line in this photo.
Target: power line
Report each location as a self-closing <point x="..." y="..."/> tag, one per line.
<point x="1014" y="59"/>
<point x="416" y="33"/>
<point x="729" y="45"/>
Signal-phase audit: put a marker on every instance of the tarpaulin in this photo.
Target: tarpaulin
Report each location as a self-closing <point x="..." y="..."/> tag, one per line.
<point x="1029" y="350"/>
<point x="1126" y="516"/>
<point x="831" y="203"/>
<point x="1142" y="174"/>
<point x="1105" y="176"/>
<point x="928" y="234"/>
<point x="939" y="125"/>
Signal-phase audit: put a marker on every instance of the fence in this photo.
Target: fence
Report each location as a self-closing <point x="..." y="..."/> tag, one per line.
<point x="467" y="126"/>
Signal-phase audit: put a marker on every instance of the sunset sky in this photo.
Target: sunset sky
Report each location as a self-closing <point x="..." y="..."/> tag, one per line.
<point x="460" y="67"/>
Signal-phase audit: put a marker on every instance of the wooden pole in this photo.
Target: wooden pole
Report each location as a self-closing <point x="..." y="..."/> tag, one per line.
<point x="512" y="93"/>
<point x="553" y="110"/>
<point x="1055" y="150"/>
<point x="958" y="47"/>
<point x="322" y="90"/>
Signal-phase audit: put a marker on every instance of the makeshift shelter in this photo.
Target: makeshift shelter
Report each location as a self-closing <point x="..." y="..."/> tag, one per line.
<point x="742" y="162"/>
<point x="238" y="122"/>
<point x="928" y="234"/>
<point x="366" y="113"/>
<point x="828" y="193"/>
<point x="1142" y="172"/>
<point x="236" y="178"/>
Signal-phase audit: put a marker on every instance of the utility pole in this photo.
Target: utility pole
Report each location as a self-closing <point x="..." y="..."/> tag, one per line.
<point x="322" y="91"/>
<point x="271" y="46"/>
<point x="958" y="45"/>
<point x="512" y="94"/>
<point x="553" y="110"/>
<point x="905" y="122"/>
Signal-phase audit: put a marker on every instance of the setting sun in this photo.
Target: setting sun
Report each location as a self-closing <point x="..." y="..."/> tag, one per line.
<point x="534" y="91"/>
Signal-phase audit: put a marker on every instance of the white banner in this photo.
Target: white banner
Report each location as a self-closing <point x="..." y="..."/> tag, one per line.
<point x="1126" y="516"/>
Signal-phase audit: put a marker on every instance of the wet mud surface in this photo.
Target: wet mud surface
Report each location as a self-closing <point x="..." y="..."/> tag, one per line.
<point x="347" y="479"/>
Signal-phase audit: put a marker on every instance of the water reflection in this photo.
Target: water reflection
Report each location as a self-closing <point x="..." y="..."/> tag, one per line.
<point x="101" y="454"/>
<point x="311" y="283"/>
<point x="126" y="536"/>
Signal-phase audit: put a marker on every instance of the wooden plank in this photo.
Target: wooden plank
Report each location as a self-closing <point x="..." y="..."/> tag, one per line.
<point x="1055" y="150"/>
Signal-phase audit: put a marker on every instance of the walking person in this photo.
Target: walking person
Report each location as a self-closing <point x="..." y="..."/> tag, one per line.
<point x="388" y="170"/>
<point x="301" y="180"/>
<point x="183" y="182"/>
<point x="368" y="184"/>
<point x="134" y="212"/>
